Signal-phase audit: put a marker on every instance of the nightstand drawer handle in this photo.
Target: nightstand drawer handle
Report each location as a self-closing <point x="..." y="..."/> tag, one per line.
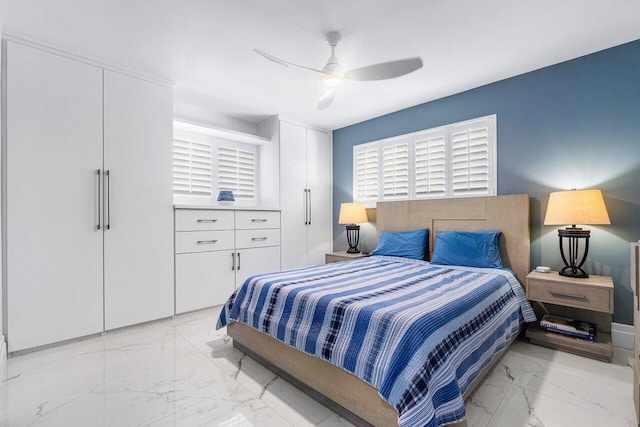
<point x="564" y="295"/>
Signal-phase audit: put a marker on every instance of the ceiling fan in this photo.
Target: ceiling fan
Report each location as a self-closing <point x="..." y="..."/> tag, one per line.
<point x="334" y="74"/>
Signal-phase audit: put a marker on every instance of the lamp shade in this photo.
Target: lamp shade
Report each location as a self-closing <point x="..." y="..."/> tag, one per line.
<point x="352" y="213"/>
<point x="576" y="207"/>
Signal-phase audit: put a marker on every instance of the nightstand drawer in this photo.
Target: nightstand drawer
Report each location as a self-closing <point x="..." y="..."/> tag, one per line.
<point x="570" y="295"/>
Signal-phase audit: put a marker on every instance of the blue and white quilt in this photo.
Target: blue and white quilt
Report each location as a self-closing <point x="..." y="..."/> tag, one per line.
<point x="419" y="333"/>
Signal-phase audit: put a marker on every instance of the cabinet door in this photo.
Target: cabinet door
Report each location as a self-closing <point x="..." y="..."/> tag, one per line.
<point x="319" y="182"/>
<point x="203" y="279"/>
<point x="54" y="149"/>
<point x="139" y="238"/>
<point x="256" y="261"/>
<point x="293" y="182"/>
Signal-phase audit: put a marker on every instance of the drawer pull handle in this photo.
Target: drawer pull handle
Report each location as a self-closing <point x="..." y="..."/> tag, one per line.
<point x="564" y="295"/>
<point x="258" y="220"/>
<point x="207" y="220"/>
<point x="206" y="242"/>
<point x="258" y="239"/>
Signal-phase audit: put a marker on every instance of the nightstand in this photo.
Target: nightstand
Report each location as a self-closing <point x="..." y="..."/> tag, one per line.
<point x="341" y="256"/>
<point x="589" y="299"/>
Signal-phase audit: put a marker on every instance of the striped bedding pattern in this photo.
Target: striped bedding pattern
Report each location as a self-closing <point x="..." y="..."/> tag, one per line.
<point x="419" y="333"/>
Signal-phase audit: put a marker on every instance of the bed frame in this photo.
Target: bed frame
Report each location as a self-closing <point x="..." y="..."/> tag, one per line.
<point x="343" y="392"/>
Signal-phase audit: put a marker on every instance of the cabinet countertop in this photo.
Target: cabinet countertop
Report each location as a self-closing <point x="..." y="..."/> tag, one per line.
<point x="227" y="207"/>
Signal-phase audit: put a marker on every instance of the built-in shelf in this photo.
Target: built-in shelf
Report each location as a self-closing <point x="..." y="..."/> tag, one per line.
<point x="601" y="349"/>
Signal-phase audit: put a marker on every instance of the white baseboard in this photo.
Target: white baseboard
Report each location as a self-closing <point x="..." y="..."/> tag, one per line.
<point x="3" y="357"/>
<point x="622" y="335"/>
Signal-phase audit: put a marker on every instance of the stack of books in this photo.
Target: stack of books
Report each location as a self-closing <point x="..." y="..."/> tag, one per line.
<point x="569" y="327"/>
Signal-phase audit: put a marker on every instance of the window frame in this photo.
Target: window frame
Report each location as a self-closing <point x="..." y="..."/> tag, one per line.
<point x="447" y="132"/>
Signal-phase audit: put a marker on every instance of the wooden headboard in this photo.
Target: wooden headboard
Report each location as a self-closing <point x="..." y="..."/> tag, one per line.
<point x="509" y="214"/>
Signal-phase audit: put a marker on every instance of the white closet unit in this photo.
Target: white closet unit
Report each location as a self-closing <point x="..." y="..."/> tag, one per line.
<point x="217" y="250"/>
<point x="305" y="195"/>
<point x="74" y="234"/>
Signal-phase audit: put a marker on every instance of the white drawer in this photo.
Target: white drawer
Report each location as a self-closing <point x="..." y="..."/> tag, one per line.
<point x="250" y="220"/>
<point x="257" y="238"/>
<point x="203" y="241"/>
<point x="203" y="219"/>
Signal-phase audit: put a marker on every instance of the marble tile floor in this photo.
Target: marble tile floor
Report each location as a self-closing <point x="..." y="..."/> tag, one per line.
<point x="182" y="372"/>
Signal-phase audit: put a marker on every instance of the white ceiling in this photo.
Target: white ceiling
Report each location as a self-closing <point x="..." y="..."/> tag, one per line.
<point x="205" y="46"/>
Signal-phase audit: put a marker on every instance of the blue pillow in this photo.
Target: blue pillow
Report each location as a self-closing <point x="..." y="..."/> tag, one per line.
<point x="407" y="244"/>
<point x="468" y="248"/>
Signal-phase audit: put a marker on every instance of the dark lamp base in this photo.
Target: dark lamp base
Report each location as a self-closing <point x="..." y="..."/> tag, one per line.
<point x="569" y="253"/>
<point x="353" y="237"/>
<point x="578" y="273"/>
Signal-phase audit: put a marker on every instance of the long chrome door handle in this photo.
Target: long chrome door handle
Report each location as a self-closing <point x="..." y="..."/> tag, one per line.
<point x="98" y="173"/>
<point x="309" y="195"/>
<point x="233" y="260"/>
<point x="107" y="181"/>
<point x="305" y="207"/>
<point x="238" y="253"/>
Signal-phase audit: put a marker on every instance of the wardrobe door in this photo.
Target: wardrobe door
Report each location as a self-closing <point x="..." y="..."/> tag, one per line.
<point x="319" y="183"/>
<point x="54" y="150"/>
<point x="138" y="201"/>
<point x="293" y="195"/>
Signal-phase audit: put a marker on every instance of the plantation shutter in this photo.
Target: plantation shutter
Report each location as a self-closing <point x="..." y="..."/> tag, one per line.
<point x="395" y="169"/>
<point x="191" y="168"/>
<point x="470" y="168"/>
<point x="236" y="172"/>
<point x="430" y="164"/>
<point x="366" y="174"/>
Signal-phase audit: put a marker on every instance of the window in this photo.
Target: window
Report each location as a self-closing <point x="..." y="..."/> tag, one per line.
<point x="366" y="174"/>
<point x="191" y="168"/>
<point x="430" y="170"/>
<point x="395" y="169"/>
<point x="205" y="163"/>
<point x="457" y="160"/>
<point x="236" y="172"/>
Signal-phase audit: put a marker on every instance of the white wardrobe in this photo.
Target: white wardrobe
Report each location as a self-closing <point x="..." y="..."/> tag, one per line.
<point x="88" y="198"/>
<point x="305" y="193"/>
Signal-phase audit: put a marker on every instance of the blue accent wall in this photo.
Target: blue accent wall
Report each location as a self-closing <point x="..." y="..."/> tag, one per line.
<point x="571" y="125"/>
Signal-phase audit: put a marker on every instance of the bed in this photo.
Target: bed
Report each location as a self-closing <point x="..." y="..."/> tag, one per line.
<point x="424" y="358"/>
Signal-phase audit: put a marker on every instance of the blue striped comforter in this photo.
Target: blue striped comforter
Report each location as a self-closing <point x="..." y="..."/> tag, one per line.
<point x="419" y="333"/>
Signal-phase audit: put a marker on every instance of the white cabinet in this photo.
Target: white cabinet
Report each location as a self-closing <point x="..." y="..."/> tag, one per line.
<point x="217" y="250"/>
<point x="305" y="195"/>
<point x="67" y="272"/>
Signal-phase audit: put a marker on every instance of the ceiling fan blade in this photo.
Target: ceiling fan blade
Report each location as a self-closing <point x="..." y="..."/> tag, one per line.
<point x="326" y="98"/>
<point x="283" y="62"/>
<point x="385" y="70"/>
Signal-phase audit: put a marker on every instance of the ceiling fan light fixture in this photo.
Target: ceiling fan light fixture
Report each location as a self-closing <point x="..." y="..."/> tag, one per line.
<point x="332" y="80"/>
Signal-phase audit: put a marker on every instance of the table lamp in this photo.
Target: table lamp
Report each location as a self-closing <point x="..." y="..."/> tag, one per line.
<point x="575" y="207"/>
<point x="351" y="214"/>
